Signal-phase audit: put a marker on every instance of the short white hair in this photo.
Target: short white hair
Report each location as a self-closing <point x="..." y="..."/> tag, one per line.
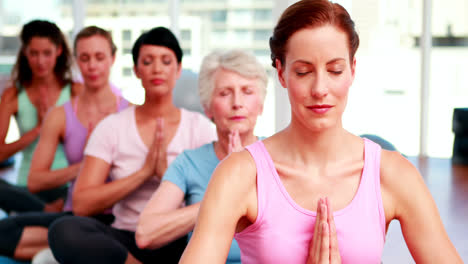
<point x="238" y="61"/>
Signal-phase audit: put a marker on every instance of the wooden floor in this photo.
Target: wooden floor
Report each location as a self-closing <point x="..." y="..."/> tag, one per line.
<point x="449" y="187"/>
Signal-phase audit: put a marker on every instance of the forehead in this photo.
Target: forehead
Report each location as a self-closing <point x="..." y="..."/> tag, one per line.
<point x="317" y="44"/>
<point x="95" y="43"/>
<point x="155" y="51"/>
<point x="226" y="78"/>
<point x="40" y="43"/>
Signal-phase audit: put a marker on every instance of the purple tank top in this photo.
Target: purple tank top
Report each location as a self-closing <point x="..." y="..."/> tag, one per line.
<point x="74" y="141"/>
<point x="283" y="230"/>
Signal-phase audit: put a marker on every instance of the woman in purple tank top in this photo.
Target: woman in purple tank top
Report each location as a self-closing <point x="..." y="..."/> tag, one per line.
<point x="276" y="197"/>
<point x="70" y="124"/>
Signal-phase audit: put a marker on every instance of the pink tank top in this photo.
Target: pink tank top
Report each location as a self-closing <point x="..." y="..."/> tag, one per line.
<point x="283" y="230"/>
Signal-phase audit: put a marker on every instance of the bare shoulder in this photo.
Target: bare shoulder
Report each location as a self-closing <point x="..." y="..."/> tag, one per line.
<point x="55" y="120"/>
<point x="400" y="181"/>
<point x="9" y="93"/>
<point x="57" y="113"/>
<point x="238" y="168"/>
<point x="9" y="101"/>
<point x="233" y="185"/>
<point x="76" y="88"/>
<point x="396" y="169"/>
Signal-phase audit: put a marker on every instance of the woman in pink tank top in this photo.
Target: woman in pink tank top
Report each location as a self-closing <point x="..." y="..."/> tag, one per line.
<point x="276" y="197"/>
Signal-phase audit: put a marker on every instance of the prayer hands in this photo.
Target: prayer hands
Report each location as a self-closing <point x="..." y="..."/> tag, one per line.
<point x="324" y="245"/>
<point x="43" y="104"/>
<point x="235" y="143"/>
<point x="156" y="160"/>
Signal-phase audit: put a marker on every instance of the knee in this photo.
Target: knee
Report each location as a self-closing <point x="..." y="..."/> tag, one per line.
<point x="62" y="231"/>
<point x="10" y="235"/>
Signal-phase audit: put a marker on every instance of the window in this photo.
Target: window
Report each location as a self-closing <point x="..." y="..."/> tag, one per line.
<point x="262" y="15"/>
<point x="262" y="34"/>
<point x="126" y="35"/>
<point x="187" y="52"/>
<point x="127" y="72"/>
<point x="186" y="35"/>
<point x="219" y="16"/>
<point x="127" y="51"/>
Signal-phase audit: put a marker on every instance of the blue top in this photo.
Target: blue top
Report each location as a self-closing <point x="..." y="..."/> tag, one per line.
<point x="191" y="171"/>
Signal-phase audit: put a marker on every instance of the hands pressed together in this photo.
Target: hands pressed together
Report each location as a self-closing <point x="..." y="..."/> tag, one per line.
<point x="43" y="104"/>
<point x="324" y="245"/>
<point x="235" y="143"/>
<point x="156" y="160"/>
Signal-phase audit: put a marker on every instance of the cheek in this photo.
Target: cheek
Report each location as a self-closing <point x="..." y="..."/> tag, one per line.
<point x="298" y="90"/>
<point x="219" y="107"/>
<point x="253" y="104"/>
<point x="31" y="59"/>
<point x="105" y="67"/>
<point x="342" y="89"/>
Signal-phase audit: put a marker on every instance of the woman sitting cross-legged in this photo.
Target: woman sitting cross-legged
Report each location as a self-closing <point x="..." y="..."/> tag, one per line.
<point x="134" y="147"/>
<point x="41" y="79"/>
<point x="23" y="235"/>
<point x="232" y="90"/>
<point x="275" y="198"/>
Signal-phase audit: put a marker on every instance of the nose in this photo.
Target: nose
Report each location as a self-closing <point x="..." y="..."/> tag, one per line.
<point x="319" y="87"/>
<point x="92" y="64"/>
<point x="41" y="59"/>
<point x="156" y="66"/>
<point x="237" y="100"/>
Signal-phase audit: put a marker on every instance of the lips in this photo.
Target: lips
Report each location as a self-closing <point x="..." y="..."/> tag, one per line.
<point x="237" y="118"/>
<point x="93" y="77"/>
<point x="320" y="109"/>
<point x="157" y="81"/>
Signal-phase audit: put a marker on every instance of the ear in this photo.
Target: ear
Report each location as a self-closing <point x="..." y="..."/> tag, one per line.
<point x="280" y="71"/>
<point x="135" y="70"/>
<point x="59" y="51"/>
<point x="353" y="68"/>
<point x="208" y="113"/>
<point x="113" y="59"/>
<point x="261" y="110"/>
<point x="179" y="70"/>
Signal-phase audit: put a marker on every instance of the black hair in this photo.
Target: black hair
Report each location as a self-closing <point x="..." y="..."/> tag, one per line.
<point x="159" y="36"/>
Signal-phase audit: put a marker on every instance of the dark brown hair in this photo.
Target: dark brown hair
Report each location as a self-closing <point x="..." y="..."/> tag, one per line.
<point x="22" y="73"/>
<point x="311" y="14"/>
<point x="93" y="31"/>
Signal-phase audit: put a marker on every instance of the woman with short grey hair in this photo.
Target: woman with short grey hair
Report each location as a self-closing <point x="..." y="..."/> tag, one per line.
<point x="238" y="61"/>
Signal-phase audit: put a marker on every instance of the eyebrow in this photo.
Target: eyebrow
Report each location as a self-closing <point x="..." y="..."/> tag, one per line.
<point x="329" y="62"/>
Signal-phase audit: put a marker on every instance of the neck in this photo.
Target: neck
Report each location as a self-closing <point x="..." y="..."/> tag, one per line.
<point x="158" y="107"/>
<point x="97" y="95"/>
<point x="48" y="82"/>
<point x="318" y="146"/>
<point x="222" y="145"/>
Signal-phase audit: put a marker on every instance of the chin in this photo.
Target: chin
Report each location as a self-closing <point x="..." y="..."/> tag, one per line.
<point x="157" y="90"/>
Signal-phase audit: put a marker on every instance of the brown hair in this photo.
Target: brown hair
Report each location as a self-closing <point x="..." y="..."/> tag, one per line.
<point x="310" y="14"/>
<point x="93" y="31"/>
<point x="22" y="73"/>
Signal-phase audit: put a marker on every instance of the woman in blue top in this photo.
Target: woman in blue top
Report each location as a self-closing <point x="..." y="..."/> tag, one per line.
<point x="41" y="79"/>
<point x="232" y="88"/>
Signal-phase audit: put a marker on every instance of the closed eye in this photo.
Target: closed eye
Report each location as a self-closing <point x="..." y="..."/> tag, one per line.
<point x="301" y="73"/>
<point x="336" y="72"/>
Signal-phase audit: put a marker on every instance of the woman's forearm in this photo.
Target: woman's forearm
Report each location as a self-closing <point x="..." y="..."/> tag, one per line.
<point x="158" y="229"/>
<point x="40" y="180"/>
<point x="8" y="150"/>
<point x="92" y="200"/>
